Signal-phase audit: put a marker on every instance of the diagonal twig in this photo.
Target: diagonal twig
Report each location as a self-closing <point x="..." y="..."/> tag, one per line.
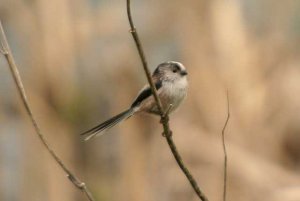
<point x="164" y="117"/>
<point x="224" y="149"/>
<point x="5" y="50"/>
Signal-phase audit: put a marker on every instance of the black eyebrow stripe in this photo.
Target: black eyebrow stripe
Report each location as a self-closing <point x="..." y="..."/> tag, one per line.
<point x="145" y="94"/>
<point x="177" y="67"/>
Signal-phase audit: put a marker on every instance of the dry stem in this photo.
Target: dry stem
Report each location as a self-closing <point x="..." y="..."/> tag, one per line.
<point x="224" y="150"/>
<point x="164" y="117"/>
<point x="5" y="50"/>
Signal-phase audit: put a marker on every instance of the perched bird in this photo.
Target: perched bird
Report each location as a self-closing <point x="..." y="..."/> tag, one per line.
<point x="171" y="84"/>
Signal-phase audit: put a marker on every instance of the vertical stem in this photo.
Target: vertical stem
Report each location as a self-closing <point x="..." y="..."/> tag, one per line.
<point x="225" y="151"/>
<point x="137" y="41"/>
<point x="164" y="117"/>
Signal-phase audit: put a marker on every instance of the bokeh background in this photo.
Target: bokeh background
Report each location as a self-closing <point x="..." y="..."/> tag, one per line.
<point x="80" y="66"/>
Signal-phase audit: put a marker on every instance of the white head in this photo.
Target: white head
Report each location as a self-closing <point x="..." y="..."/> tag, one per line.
<point x="170" y="71"/>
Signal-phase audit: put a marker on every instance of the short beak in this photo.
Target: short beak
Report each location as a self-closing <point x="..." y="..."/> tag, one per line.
<point x="183" y="73"/>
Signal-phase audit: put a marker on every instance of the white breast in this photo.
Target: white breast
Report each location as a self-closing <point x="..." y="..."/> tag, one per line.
<point x="173" y="93"/>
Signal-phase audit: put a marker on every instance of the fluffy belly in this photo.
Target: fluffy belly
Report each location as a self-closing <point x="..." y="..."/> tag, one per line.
<point x="173" y="96"/>
<point x="170" y="95"/>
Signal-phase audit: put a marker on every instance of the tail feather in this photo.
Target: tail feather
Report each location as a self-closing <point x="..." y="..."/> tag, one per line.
<point x="107" y="124"/>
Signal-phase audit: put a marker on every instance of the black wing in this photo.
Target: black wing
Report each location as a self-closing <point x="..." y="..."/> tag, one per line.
<point x="145" y="94"/>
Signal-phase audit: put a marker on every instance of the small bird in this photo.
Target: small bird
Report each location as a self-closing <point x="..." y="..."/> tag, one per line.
<point x="171" y="85"/>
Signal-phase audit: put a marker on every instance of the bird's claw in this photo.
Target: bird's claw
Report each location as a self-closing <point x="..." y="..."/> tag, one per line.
<point x="169" y="134"/>
<point x="164" y="119"/>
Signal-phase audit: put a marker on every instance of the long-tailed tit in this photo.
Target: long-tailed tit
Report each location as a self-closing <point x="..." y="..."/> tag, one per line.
<point x="171" y="84"/>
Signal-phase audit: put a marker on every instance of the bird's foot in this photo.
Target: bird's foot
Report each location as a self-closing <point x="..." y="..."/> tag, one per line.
<point x="164" y="119"/>
<point x="169" y="134"/>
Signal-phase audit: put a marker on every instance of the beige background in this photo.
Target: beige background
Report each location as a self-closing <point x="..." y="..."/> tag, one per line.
<point x="80" y="66"/>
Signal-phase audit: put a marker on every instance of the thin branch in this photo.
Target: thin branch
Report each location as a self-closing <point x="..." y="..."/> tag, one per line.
<point x="137" y="41"/>
<point x="168" y="110"/>
<point x="164" y="118"/>
<point x="17" y="79"/>
<point x="224" y="149"/>
<point x="2" y="51"/>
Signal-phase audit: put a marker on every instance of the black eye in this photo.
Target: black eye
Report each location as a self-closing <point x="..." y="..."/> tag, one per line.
<point x="175" y="70"/>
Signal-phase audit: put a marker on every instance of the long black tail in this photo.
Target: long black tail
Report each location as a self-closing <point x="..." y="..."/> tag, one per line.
<point x="108" y="124"/>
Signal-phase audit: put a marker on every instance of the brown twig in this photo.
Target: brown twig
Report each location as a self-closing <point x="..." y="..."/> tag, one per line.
<point x="164" y="116"/>
<point x="5" y="50"/>
<point x="224" y="150"/>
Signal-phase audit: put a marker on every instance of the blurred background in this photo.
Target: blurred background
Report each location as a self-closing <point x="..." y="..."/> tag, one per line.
<point x="80" y="66"/>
